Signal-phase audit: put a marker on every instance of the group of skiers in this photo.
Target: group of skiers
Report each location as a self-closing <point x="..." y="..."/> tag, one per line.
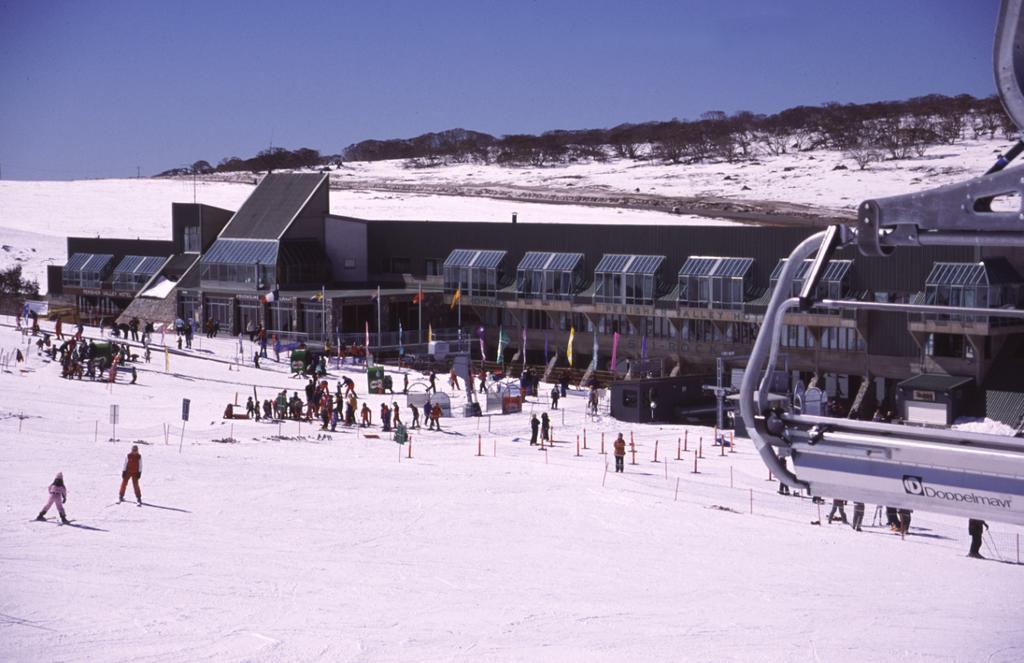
<point x="340" y="407"/>
<point x="130" y="471"/>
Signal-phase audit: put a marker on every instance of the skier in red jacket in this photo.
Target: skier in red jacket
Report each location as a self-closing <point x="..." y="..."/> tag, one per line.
<point x="132" y="470"/>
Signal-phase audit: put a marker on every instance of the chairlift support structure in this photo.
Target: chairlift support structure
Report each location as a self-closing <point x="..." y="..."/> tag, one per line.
<point x="941" y="470"/>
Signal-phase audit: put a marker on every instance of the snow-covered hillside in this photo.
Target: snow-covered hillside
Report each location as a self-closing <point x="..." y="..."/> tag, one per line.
<point x="283" y="545"/>
<point x="35" y="217"/>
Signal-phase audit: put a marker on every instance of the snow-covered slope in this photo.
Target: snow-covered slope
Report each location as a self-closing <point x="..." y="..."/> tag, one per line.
<point x="35" y="217"/>
<point x="284" y="546"/>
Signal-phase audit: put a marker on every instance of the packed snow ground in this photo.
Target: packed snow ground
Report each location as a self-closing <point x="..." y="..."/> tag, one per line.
<point x="282" y="546"/>
<point x="808" y="177"/>
<point x="36" y="217"/>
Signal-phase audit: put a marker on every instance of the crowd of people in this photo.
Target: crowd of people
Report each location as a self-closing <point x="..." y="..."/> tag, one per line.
<point x="340" y="407"/>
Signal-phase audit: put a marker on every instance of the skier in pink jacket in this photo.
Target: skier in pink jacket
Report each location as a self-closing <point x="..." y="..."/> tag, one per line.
<point x="58" y="496"/>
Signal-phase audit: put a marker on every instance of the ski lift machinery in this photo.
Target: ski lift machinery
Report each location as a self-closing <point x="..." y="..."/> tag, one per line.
<point x="941" y="470"/>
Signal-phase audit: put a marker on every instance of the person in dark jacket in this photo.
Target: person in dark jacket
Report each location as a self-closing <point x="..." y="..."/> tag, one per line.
<point x="132" y="470"/>
<point x="58" y="496"/>
<point x="545" y="427"/>
<point x="554" y="398"/>
<point x="534" y="427"/>
<point x="976" y="528"/>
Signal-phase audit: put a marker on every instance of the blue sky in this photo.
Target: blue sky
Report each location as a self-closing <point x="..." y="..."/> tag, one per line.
<point x="96" y="89"/>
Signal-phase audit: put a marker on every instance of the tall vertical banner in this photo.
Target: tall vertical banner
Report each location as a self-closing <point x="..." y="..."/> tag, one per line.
<point x="524" y="347"/>
<point x="593" y="357"/>
<point x="430" y="333"/>
<point x="615" y="349"/>
<point x="480" y="336"/>
<point x="568" y="347"/>
<point x="503" y="340"/>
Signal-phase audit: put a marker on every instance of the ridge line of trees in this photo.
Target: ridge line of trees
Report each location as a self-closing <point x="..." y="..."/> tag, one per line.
<point x="864" y="133"/>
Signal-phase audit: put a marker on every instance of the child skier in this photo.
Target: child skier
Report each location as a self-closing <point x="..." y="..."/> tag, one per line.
<point x="58" y="496"/>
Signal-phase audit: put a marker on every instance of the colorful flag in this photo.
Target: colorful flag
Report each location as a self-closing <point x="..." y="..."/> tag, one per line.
<point x="430" y="333"/>
<point x="418" y="297"/>
<point x="503" y="340"/>
<point x="455" y="299"/>
<point x="318" y="297"/>
<point x="615" y="349"/>
<point x="568" y="348"/>
<point x="268" y="298"/>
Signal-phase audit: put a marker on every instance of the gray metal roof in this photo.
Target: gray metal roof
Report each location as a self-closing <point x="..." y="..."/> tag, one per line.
<point x="489" y="259"/>
<point x="460" y="258"/>
<point x="242" y="252"/>
<point x="486" y="259"/>
<point x="144" y="265"/>
<point x="645" y="264"/>
<point x="88" y="262"/>
<point x="716" y="266"/>
<point x="534" y="260"/>
<point x="76" y="261"/>
<point x="935" y="382"/>
<point x="991" y="271"/>
<point x="551" y="262"/>
<point x="629" y="264"/>
<point x="612" y="262"/>
<point x="270" y="208"/>
<point x="836" y="270"/>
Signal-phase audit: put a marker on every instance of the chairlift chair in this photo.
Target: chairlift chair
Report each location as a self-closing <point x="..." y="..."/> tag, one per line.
<point x="940" y="470"/>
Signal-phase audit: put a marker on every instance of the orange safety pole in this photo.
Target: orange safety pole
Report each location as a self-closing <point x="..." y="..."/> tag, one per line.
<point x="479" y="446"/>
<point x="577" y="445"/>
<point x="655" y="452"/>
<point x="722" y="448"/>
<point x="769" y="475"/>
<point x="686" y="440"/>
<point x="632" y="450"/>
<point x="584" y="438"/>
<point x="695" y="462"/>
<point x="732" y="443"/>
<point x="410" y="446"/>
<point x="700" y="448"/>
